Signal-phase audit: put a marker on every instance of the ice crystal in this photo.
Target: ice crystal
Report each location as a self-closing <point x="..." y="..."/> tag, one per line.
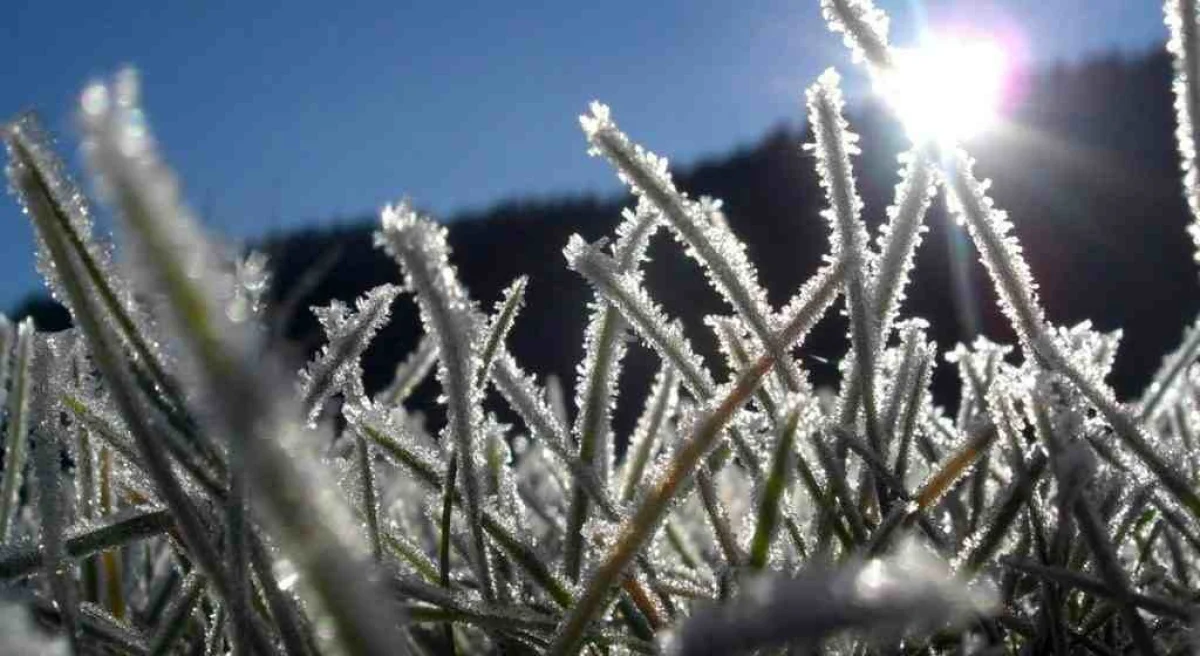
<point x="337" y="368"/>
<point x="863" y="26"/>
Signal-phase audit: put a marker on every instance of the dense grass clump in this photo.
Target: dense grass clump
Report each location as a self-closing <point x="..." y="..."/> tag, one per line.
<point x="170" y="486"/>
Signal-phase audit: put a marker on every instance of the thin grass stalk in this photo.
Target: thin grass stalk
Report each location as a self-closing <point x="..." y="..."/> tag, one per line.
<point x="420" y="247"/>
<point x="827" y="503"/>
<point x="1010" y="273"/>
<point x="1095" y="586"/>
<point x="523" y="396"/>
<point x="901" y="237"/>
<point x="524" y="555"/>
<point x="955" y="467"/>
<point x="1184" y="46"/>
<point x="444" y="544"/>
<point x="659" y="406"/>
<point x="410" y="373"/>
<point x="918" y="386"/>
<point x="1168" y="377"/>
<point x="839" y="489"/>
<point x="237" y="557"/>
<point x="99" y="625"/>
<point x="593" y="426"/>
<point x="984" y="546"/>
<point x="718" y="517"/>
<point x="176" y="616"/>
<point x="1133" y="437"/>
<point x="772" y="493"/>
<point x="834" y="145"/>
<point x="52" y="512"/>
<point x="646" y="519"/>
<point x="500" y="325"/>
<point x="722" y="257"/>
<point x="367" y="488"/>
<point x="87" y="490"/>
<point x="17" y="428"/>
<point x="738" y="355"/>
<point x="110" y="566"/>
<point x="115" y="439"/>
<point x="293" y="630"/>
<point x="349" y="332"/>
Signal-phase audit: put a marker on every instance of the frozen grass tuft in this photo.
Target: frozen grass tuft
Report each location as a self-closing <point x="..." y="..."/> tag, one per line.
<point x="217" y="503"/>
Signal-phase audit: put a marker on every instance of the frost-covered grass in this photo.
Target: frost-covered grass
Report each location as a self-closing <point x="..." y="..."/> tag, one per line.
<point x="214" y="501"/>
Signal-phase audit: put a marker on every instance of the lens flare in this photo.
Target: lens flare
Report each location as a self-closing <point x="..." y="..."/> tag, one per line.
<point x="948" y="89"/>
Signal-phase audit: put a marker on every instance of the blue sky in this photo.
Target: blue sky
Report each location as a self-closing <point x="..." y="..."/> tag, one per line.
<point x="279" y="114"/>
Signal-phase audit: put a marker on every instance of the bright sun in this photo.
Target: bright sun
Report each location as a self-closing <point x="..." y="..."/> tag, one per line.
<point x="948" y="89"/>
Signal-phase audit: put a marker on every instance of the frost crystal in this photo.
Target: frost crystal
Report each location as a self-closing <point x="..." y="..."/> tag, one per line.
<point x="900" y="237"/>
<point x="864" y="29"/>
<point x="1000" y="251"/>
<point x="698" y="225"/>
<point x="348" y="334"/>
<point x="1184" y="46"/>
<point x="448" y="314"/>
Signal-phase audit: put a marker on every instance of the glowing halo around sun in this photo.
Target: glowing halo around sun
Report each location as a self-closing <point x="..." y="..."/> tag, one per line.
<point x="948" y="89"/>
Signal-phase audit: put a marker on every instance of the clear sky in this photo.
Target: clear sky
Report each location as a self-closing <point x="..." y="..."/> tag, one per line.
<point x="281" y="114"/>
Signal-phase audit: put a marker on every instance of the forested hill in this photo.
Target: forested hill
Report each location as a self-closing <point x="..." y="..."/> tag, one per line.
<point x="1087" y="169"/>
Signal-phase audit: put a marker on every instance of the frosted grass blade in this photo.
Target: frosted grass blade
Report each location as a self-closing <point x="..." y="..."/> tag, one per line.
<point x="420" y="248"/>
<point x="17" y="427"/>
<point x="232" y="377"/>
<point x="410" y="373"/>
<point x="501" y="323"/>
<point x="348" y="335"/>
<point x="646" y="519"/>
<point x="1184" y="46"/>
<point x="698" y="226"/>
<point x="777" y="483"/>
<point x="175" y="618"/>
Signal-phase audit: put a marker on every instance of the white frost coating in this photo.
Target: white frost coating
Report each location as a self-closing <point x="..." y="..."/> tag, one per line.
<point x="834" y="145"/>
<point x="503" y="318"/>
<point x="698" y="225"/>
<point x="338" y="367"/>
<point x="890" y="268"/>
<point x="605" y="346"/>
<point x="251" y="283"/>
<point x="647" y="317"/>
<point x="864" y="29"/>
<point x="1184" y="46"/>
<point x="27" y="135"/>
<point x="124" y="159"/>
<point x="29" y="146"/>
<point x="1000" y="251"/>
<point x="659" y="411"/>
<point x="240" y="400"/>
<point x="1170" y="382"/>
<point x="420" y="247"/>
